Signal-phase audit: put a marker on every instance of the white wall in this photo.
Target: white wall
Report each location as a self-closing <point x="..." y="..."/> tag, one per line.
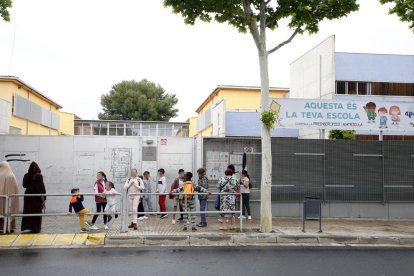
<point x="4" y="116"/>
<point x="68" y="162"/>
<point x="312" y="76"/>
<point x="219" y="119"/>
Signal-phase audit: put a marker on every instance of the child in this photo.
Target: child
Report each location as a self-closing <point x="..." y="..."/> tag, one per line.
<point x="111" y="199"/>
<point x="76" y="204"/>
<point x="245" y="193"/>
<point x="162" y="189"/>
<point x="188" y="198"/>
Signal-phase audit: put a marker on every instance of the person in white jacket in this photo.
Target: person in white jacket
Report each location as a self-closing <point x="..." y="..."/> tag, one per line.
<point x="134" y="185"/>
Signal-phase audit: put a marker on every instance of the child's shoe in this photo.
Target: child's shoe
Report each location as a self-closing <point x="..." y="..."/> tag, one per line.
<point x="106" y="227"/>
<point x="88" y="223"/>
<point x="84" y="230"/>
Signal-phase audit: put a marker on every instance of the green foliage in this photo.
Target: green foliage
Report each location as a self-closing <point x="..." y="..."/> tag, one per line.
<point x="336" y="134"/>
<point x="4" y="13"/>
<point x="305" y="14"/>
<point x="269" y="118"/>
<point x="404" y="9"/>
<point x="140" y="101"/>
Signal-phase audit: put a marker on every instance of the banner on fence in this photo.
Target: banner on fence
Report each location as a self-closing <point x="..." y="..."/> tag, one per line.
<point x="345" y="115"/>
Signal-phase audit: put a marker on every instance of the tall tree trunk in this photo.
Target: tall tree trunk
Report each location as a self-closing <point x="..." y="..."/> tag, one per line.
<point x="266" y="183"/>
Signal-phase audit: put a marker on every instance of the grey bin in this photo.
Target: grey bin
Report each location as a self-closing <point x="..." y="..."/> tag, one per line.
<point x="312" y="210"/>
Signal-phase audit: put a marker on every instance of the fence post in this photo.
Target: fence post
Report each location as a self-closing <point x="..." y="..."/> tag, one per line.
<point x="5" y="214"/>
<point x="383" y="172"/>
<point x="241" y="213"/>
<point x="124" y="212"/>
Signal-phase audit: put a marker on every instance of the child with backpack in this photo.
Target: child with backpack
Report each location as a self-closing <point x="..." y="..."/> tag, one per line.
<point x="188" y="198"/>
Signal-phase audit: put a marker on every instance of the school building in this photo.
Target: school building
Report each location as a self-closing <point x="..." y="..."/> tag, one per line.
<point x="234" y="111"/>
<point x="26" y="111"/>
<point x="323" y="73"/>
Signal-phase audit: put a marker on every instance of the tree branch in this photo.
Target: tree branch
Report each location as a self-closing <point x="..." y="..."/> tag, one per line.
<point x="268" y="1"/>
<point x="248" y="13"/>
<point x="286" y="41"/>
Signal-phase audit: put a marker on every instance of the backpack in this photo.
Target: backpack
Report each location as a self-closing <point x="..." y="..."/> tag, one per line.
<point x="174" y="186"/>
<point x="188" y="190"/>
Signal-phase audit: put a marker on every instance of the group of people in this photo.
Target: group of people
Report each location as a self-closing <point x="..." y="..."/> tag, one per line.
<point x="181" y="192"/>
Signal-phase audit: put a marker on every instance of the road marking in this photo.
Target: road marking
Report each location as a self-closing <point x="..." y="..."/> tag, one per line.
<point x="44" y="239"/>
<point x="7" y="240"/>
<point x="24" y="240"/>
<point x="63" y="239"/>
<point x="80" y="239"/>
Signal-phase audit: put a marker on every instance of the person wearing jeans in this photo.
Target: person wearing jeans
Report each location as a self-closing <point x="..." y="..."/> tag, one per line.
<point x="162" y="189"/>
<point x="202" y="182"/>
<point x="245" y="193"/>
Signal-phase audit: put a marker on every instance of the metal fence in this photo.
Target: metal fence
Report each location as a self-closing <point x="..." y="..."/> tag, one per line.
<point x="335" y="170"/>
<point x="122" y="209"/>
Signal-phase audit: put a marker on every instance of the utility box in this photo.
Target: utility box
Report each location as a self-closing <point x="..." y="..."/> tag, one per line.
<point x="312" y="210"/>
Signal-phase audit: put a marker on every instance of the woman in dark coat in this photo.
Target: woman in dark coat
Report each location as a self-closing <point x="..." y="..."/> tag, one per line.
<point x="33" y="183"/>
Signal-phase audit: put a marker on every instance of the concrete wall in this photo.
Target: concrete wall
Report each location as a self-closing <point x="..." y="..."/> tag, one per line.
<point x="374" y="67"/>
<point x="4" y="117"/>
<point x="68" y="162"/>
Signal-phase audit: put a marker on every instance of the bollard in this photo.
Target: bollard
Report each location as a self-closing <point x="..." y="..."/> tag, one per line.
<point x="124" y="213"/>
<point x="241" y="213"/>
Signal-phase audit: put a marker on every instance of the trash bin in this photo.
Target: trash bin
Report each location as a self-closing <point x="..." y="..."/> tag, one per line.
<point x="312" y="210"/>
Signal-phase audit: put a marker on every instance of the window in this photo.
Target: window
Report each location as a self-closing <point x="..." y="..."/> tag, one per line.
<point x="95" y="128"/>
<point x="392" y="89"/>
<point x="112" y="129"/>
<point x="340" y="87"/>
<point x="352" y="88"/>
<point x="120" y="129"/>
<point x="104" y="129"/>
<point x="132" y="129"/>
<point x="362" y="88"/>
<point x="149" y="130"/>
<point x="86" y="129"/>
<point x="164" y="130"/>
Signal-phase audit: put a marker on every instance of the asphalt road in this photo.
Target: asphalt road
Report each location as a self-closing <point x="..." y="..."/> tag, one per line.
<point x="258" y="261"/>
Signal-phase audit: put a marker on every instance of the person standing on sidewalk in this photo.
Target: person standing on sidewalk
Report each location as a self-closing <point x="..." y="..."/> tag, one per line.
<point x="134" y="185"/>
<point x="245" y="193"/>
<point x="178" y="199"/>
<point x="8" y="186"/>
<point x="227" y="184"/>
<point x="147" y="189"/>
<point x="162" y="189"/>
<point x="100" y="200"/>
<point x="112" y="200"/>
<point x="202" y="182"/>
<point x="33" y="183"/>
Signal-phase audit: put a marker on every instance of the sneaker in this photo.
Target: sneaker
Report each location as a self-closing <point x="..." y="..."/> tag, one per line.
<point x="185" y="228"/>
<point x="163" y="216"/>
<point x="220" y="220"/>
<point x="145" y="217"/>
<point x="93" y="227"/>
<point x="141" y="218"/>
<point x="242" y="217"/>
<point x="84" y="230"/>
<point x="201" y="224"/>
<point x="194" y="229"/>
<point x="173" y="222"/>
<point x="106" y="227"/>
<point x="249" y="217"/>
<point x="88" y="223"/>
<point x="180" y="219"/>
<point x="109" y="219"/>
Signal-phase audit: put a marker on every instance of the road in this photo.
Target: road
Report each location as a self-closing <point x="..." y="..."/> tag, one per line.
<point x="261" y="261"/>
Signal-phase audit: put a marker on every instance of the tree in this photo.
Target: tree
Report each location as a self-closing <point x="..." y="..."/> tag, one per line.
<point x="255" y="17"/>
<point x="4" y="13"/>
<point x="336" y="134"/>
<point x="140" y="101"/>
<point x="404" y="9"/>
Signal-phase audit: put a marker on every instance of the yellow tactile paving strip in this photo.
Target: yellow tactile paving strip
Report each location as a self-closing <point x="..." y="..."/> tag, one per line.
<point x="51" y="240"/>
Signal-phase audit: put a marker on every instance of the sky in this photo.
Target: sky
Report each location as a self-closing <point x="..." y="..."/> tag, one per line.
<point x="74" y="51"/>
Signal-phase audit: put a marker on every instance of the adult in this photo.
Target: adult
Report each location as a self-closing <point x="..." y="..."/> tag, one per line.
<point x="202" y="182"/>
<point x="178" y="199"/>
<point x="148" y="189"/>
<point x="33" y="183"/>
<point x="227" y="184"/>
<point x="245" y="193"/>
<point x="100" y="200"/>
<point x="162" y="190"/>
<point x="8" y="186"/>
<point x="134" y="185"/>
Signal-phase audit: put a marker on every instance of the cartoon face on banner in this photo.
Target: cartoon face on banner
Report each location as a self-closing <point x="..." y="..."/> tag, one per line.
<point x="340" y="114"/>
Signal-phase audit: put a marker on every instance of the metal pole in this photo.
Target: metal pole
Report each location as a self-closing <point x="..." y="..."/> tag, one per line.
<point x="383" y="172"/>
<point x="124" y="213"/>
<point x="304" y="216"/>
<point x="5" y="214"/>
<point x="241" y="213"/>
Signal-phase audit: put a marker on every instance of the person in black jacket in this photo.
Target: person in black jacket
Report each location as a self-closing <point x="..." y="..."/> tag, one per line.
<point x="77" y="205"/>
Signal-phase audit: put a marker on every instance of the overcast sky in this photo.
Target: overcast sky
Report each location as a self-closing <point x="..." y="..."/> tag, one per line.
<point x="74" y="51"/>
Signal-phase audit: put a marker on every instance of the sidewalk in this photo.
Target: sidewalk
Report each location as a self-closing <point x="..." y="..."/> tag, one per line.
<point x="63" y="232"/>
